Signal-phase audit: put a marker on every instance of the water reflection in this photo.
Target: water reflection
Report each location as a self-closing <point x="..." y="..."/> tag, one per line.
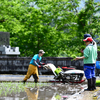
<point x="32" y="95"/>
<point x="43" y="92"/>
<point x="57" y="92"/>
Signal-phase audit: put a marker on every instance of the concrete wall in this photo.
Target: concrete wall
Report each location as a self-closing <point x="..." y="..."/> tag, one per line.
<point x="20" y="64"/>
<point x="14" y="64"/>
<point x="4" y="38"/>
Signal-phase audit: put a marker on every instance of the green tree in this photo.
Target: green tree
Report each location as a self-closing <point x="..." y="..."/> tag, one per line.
<point x="56" y="26"/>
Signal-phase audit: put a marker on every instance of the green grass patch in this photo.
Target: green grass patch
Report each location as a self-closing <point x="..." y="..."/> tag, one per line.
<point x="97" y="82"/>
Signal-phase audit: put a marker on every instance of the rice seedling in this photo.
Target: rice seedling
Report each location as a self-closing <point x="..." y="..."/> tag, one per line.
<point x="17" y="87"/>
<point x="0" y="91"/>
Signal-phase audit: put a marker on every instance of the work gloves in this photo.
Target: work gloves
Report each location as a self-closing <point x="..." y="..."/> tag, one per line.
<point x="39" y="66"/>
<point x="43" y="63"/>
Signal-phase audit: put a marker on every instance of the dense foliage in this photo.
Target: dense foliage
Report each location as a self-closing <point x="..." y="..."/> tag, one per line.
<point x="56" y="26"/>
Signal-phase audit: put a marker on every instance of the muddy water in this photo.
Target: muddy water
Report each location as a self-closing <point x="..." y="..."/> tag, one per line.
<point x="50" y="92"/>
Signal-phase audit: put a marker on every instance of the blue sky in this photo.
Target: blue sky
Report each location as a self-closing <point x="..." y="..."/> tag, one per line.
<point x="82" y="5"/>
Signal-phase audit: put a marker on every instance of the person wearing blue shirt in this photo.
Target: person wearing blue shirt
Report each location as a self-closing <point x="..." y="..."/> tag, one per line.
<point x="35" y="63"/>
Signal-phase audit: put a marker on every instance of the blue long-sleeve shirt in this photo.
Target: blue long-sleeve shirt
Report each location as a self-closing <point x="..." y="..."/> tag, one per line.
<point x="35" y="60"/>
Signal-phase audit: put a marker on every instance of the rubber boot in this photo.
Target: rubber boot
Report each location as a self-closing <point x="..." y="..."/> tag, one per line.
<point x="35" y="78"/>
<point x="24" y="81"/>
<point x="89" y="83"/>
<point x="93" y="83"/>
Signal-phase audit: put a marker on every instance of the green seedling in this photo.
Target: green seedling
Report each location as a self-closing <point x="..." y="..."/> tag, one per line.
<point x="97" y="82"/>
<point x="73" y="56"/>
<point x="5" y="93"/>
<point x="10" y="87"/>
<point x="58" y="97"/>
<point x="0" y="91"/>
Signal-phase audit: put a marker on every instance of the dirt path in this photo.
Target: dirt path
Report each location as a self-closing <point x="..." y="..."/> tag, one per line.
<point x="91" y="95"/>
<point x="87" y="95"/>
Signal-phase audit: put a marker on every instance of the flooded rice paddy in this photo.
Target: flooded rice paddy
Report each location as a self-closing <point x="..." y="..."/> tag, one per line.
<point x="41" y="91"/>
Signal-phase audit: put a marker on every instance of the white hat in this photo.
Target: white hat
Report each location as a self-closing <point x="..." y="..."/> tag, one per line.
<point x="41" y="51"/>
